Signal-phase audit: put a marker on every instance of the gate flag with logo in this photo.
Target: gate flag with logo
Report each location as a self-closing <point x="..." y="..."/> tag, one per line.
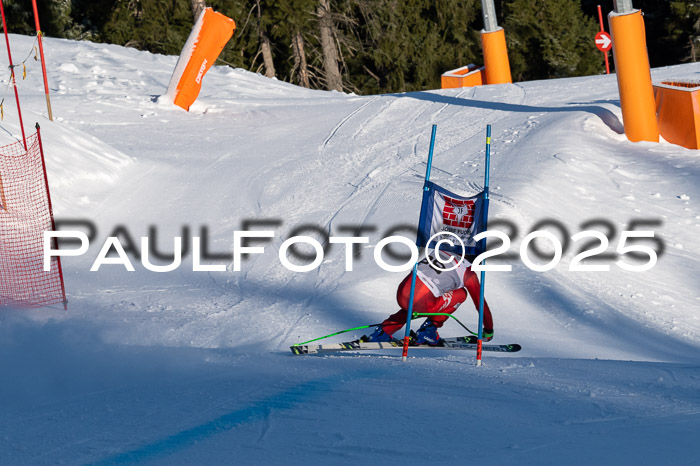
<point x="446" y="212"/>
<point x="209" y="35"/>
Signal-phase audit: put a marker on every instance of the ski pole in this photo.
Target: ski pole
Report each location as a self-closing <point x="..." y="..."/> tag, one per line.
<point x="337" y="333"/>
<point x="360" y="328"/>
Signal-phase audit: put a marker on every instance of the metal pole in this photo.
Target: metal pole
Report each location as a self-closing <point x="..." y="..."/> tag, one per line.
<point x="43" y="62"/>
<point x="488" y="10"/>
<point x="409" y="313"/>
<point x="12" y="74"/>
<point x="623" y="6"/>
<point x="53" y="223"/>
<point x="483" y="273"/>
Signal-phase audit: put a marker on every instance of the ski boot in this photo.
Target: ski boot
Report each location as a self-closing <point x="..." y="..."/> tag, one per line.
<point x="427" y="335"/>
<point x="379" y="336"/>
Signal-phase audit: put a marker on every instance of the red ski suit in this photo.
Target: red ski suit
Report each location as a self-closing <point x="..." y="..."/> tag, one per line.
<point x="425" y="299"/>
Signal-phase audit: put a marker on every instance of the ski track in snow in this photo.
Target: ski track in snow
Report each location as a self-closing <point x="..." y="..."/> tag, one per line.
<point x="194" y="368"/>
<point x="345" y="120"/>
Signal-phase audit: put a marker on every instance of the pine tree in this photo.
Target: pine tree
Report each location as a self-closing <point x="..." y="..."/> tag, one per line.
<point x="159" y="26"/>
<point x="550" y="39"/>
<point x="243" y="50"/>
<point x="407" y="45"/>
<point x="18" y="19"/>
<point x="294" y="24"/>
<point x="683" y="29"/>
<point x="379" y="45"/>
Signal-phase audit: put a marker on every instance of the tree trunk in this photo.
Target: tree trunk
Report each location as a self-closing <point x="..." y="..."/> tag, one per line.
<point x="197" y="7"/>
<point x="300" y="66"/>
<point x="265" y="46"/>
<point x="334" y="81"/>
<point x="267" y="55"/>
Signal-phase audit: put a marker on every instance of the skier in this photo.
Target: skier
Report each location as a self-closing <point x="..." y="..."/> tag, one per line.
<point x="438" y="289"/>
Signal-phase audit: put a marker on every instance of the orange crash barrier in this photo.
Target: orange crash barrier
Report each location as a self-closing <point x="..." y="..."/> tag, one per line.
<point x="678" y="112"/>
<point x="209" y="35"/>
<point x="496" y="61"/>
<point x="633" y="76"/>
<point x="466" y="76"/>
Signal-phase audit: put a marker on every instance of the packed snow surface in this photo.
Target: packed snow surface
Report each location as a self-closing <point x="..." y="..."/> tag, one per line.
<point x="194" y="367"/>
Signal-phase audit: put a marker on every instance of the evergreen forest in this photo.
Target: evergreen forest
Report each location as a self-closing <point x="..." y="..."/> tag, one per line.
<point x="371" y="46"/>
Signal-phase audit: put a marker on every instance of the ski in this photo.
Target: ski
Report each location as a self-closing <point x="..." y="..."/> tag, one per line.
<point x="451" y="343"/>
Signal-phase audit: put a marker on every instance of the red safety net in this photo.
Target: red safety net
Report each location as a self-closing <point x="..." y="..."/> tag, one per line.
<point x="25" y="215"/>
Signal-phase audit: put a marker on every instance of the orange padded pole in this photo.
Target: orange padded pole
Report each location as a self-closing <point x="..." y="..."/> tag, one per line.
<point x="633" y="76"/>
<point x="497" y="66"/>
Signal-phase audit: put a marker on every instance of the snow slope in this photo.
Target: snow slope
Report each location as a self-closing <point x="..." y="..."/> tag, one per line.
<point x="193" y="367"/>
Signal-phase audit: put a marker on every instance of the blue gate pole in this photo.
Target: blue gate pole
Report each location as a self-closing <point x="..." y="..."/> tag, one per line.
<point x="409" y="313"/>
<point x="484" y="213"/>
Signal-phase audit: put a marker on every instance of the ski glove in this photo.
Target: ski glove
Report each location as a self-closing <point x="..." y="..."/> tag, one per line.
<point x="488" y="334"/>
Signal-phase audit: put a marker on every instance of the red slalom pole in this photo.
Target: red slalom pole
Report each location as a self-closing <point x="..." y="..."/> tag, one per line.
<point x="602" y="29"/>
<point x="41" y="53"/>
<point x="53" y="222"/>
<point x="12" y="73"/>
